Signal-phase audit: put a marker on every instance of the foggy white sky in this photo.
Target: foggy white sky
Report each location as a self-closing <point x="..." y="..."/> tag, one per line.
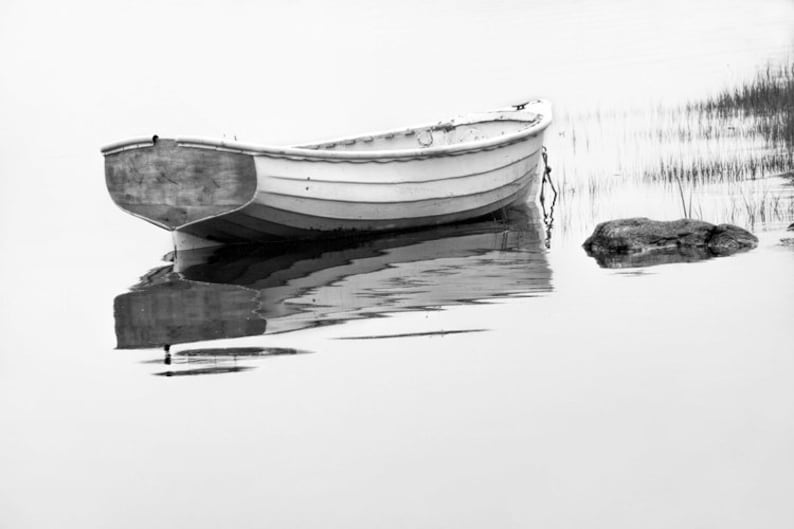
<point x="705" y="426"/>
<point x="295" y="71"/>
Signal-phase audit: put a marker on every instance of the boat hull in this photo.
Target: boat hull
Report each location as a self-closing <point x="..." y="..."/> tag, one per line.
<point x="227" y="193"/>
<point x="286" y="208"/>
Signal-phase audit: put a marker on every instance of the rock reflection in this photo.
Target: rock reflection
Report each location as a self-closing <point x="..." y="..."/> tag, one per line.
<point x="244" y="291"/>
<point x="652" y="258"/>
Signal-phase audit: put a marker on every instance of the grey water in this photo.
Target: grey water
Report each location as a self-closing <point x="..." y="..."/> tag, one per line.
<point x="482" y="374"/>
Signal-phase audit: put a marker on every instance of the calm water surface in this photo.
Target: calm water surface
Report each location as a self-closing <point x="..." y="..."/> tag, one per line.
<point x="483" y="375"/>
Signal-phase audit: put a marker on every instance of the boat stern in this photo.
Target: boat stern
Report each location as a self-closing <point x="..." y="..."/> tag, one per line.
<point x="173" y="186"/>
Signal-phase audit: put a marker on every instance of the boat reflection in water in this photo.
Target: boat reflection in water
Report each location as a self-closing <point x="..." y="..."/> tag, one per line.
<point x="238" y="291"/>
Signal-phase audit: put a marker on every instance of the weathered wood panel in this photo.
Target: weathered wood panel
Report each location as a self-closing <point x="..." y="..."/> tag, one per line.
<point x="172" y="186"/>
<point x="175" y="312"/>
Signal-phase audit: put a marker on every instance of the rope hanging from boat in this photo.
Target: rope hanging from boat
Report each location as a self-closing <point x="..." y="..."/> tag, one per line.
<point x="548" y="216"/>
<point x="547" y="171"/>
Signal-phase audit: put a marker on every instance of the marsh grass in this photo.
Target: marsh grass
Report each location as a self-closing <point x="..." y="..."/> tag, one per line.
<point x="770" y="92"/>
<point x="759" y="114"/>
<point x="727" y="158"/>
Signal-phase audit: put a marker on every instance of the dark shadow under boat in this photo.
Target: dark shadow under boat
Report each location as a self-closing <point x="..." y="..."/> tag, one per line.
<point x="238" y="291"/>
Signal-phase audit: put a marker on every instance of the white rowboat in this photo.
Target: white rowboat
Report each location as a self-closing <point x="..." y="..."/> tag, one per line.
<point x="218" y="191"/>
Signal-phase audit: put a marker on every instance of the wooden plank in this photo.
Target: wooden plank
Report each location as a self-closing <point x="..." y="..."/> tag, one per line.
<point x="172" y="186"/>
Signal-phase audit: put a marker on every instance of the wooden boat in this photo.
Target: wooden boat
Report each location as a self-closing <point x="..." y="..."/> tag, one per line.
<point x="220" y="191"/>
<point x="232" y="292"/>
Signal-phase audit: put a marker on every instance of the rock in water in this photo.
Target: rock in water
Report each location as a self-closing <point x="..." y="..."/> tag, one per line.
<point x="641" y="241"/>
<point x="727" y="239"/>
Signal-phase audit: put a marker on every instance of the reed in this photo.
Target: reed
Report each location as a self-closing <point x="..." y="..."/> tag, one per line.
<point x="687" y="211"/>
<point x="713" y="159"/>
<point x="770" y="94"/>
<point x="731" y="168"/>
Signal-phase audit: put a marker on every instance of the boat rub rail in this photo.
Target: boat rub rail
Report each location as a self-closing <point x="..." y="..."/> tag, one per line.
<point x="536" y="121"/>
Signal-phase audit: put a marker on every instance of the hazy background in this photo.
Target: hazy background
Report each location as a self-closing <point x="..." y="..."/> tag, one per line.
<point x="561" y="424"/>
<point x="78" y="75"/>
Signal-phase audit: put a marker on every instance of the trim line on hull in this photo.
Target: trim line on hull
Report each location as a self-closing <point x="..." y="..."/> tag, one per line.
<point x="408" y="182"/>
<point x="227" y="227"/>
<point x="269" y="196"/>
<point x="376" y="157"/>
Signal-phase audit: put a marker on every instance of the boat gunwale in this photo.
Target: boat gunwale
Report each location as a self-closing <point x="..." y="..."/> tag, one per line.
<point x="537" y="122"/>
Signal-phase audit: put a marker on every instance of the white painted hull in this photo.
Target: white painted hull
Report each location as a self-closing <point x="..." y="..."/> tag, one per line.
<point x="325" y="189"/>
